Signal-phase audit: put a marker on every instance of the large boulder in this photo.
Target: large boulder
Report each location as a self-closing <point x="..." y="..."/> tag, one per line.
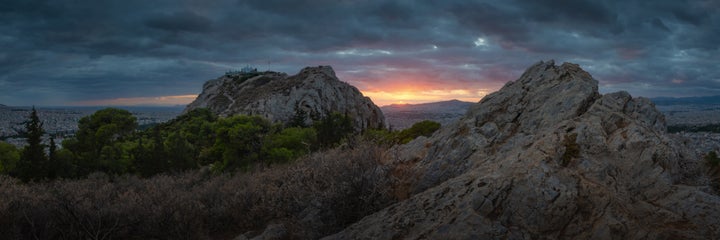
<point x="310" y="95"/>
<point x="548" y="157"/>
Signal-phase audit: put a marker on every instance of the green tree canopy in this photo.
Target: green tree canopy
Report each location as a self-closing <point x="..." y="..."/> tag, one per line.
<point x="238" y="141"/>
<point x="9" y="156"/>
<point x="105" y="127"/>
<point x="332" y="129"/>
<point x="422" y="128"/>
<point x="289" y="144"/>
<point x="95" y="144"/>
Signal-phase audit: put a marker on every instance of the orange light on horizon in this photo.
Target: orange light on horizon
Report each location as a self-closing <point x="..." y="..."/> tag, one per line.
<point x="383" y="98"/>
<point x="140" y="101"/>
<point x="413" y="87"/>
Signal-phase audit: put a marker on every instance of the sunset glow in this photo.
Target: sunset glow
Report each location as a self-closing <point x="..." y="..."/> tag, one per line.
<point x="419" y="84"/>
<point x="383" y="98"/>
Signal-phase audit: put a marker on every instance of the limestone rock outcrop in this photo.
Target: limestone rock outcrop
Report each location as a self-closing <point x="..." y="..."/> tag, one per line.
<point x="548" y="157"/>
<point x="312" y="94"/>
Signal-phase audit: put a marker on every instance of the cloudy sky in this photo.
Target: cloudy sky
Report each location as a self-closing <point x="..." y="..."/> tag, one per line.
<point x="135" y="52"/>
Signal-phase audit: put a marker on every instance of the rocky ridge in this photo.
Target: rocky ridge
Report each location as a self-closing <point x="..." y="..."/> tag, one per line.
<point x="314" y="91"/>
<point x="548" y="157"/>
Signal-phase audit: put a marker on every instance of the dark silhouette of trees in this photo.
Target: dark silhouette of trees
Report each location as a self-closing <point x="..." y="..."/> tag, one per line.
<point x="33" y="164"/>
<point x="423" y="128"/>
<point x="298" y="120"/>
<point x="108" y="141"/>
<point x="332" y="129"/>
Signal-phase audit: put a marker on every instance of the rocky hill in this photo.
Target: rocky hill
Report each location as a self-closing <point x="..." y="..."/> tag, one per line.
<point x="313" y="93"/>
<point x="401" y="116"/>
<point x="548" y="157"/>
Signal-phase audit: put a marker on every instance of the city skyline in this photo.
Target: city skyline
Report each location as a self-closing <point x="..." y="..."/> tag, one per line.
<point x="91" y="53"/>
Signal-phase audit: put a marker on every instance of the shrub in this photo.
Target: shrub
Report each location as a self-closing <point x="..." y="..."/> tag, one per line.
<point x="385" y="137"/>
<point x="332" y="129"/>
<point x="422" y="128"/>
<point x="289" y="144"/>
<point x="380" y="136"/>
<point x="315" y="196"/>
<point x="9" y="156"/>
<point x="712" y="159"/>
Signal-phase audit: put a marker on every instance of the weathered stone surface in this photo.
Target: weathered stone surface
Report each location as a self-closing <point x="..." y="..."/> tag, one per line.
<point x="506" y="170"/>
<point x="314" y="90"/>
<point x="273" y="232"/>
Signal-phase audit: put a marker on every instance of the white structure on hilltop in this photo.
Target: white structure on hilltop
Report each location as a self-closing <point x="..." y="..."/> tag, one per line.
<point x="245" y="70"/>
<point x="248" y="69"/>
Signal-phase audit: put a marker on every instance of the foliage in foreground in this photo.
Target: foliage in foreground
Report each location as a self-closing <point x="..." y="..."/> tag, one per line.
<point x="108" y="141"/>
<point x="423" y="128"/>
<point x="316" y="196"/>
<point x="713" y="162"/>
<point x="9" y="156"/>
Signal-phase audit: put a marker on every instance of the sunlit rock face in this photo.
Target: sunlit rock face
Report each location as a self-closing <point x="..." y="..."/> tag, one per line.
<point x="548" y="157"/>
<point x="312" y="94"/>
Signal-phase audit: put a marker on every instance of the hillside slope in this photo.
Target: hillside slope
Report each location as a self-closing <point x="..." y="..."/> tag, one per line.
<point x="548" y="157"/>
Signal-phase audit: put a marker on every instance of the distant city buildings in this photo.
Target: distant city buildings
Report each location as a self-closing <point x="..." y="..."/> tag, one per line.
<point x="62" y="122"/>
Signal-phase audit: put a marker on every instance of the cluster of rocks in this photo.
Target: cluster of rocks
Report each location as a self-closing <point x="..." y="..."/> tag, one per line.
<point x="312" y="94"/>
<point x="548" y="157"/>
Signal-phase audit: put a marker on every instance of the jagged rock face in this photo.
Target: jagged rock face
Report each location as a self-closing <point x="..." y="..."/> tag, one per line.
<point x="316" y="91"/>
<point x="548" y="157"/>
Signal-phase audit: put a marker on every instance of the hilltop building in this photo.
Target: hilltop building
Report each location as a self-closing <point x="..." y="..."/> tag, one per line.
<point x="248" y="69"/>
<point x="245" y="70"/>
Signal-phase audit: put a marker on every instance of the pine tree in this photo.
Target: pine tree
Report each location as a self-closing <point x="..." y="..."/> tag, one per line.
<point x="298" y="120"/>
<point x="151" y="161"/>
<point x="33" y="161"/>
<point x="52" y="149"/>
<point x="53" y="162"/>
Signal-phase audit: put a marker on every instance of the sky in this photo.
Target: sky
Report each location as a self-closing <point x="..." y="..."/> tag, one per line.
<point x="160" y="52"/>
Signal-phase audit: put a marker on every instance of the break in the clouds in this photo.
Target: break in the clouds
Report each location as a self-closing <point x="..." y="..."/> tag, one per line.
<point x="60" y="52"/>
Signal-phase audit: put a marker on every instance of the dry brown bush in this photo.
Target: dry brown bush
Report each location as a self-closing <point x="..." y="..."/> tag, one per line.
<point x="313" y="197"/>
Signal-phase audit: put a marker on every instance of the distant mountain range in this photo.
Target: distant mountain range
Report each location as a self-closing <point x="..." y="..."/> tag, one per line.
<point x="706" y="100"/>
<point x="401" y="116"/>
<point x="444" y="106"/>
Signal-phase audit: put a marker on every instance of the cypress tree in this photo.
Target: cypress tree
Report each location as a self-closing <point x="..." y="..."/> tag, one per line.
<point x="52" y="149"/>
<point x="33" y="161"/>
<point x="53" y="166"/>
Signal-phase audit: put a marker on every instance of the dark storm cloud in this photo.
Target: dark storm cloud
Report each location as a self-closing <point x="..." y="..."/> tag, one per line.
<point x="65" y="51"/>
<point x="180" y="21"/>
